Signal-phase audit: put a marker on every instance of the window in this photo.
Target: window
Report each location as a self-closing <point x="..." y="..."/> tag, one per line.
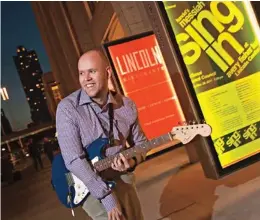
<point x="91" y="8"/>
<point x="114" y="30"/>
<point x="91" y="5"/>
<point x="56" y="93"/>
<point x="4" y="93"/>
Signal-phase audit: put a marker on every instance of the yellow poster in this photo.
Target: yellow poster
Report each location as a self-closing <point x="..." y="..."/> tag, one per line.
<point x="219" y="43"/>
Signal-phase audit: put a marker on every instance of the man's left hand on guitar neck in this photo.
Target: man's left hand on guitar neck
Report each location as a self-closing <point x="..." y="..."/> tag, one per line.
<point x="122" y="164"/>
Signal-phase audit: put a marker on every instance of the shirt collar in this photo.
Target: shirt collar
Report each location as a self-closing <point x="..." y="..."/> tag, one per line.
<point x="111" y="99"/>
<point x="85" y="99"/>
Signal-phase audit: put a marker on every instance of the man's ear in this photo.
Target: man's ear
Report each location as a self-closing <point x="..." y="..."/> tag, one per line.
<point x="109" y="72"/>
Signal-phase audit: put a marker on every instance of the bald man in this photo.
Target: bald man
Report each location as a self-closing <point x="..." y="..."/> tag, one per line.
<point x="81" y="118"/>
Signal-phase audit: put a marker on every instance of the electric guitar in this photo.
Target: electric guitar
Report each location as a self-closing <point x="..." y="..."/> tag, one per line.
<point x="72" y="191"/>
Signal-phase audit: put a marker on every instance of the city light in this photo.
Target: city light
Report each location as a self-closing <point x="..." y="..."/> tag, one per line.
<point x="4" y="94"/>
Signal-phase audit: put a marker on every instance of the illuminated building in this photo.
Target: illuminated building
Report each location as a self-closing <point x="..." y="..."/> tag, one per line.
<point x="30" y="72"/>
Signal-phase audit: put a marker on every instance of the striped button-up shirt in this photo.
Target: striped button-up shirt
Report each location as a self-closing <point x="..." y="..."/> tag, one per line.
<point x="80" y="121"/>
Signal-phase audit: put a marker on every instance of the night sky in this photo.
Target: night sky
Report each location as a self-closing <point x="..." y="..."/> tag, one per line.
<point x="18" y="27"/>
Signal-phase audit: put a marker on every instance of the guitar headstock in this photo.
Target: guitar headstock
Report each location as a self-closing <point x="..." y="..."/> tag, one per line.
<point x="185" y="133"/>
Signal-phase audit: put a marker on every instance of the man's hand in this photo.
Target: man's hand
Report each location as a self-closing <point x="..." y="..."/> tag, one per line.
<point x="115" y="214"/>
<point x="122" y="164"/>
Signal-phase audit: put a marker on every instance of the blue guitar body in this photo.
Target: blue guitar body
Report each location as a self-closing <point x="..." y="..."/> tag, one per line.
<point x="70" y="190"/>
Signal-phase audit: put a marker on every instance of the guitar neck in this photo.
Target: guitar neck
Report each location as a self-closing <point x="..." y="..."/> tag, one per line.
<point x="131" y="152"/>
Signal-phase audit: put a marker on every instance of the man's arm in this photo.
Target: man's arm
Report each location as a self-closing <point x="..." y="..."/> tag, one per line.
<point x="72" y="152"/>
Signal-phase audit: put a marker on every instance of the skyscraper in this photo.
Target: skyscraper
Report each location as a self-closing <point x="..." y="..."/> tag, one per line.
<point x="30" y="72"/>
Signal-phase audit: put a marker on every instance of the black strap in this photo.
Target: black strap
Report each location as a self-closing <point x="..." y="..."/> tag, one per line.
<point x="111" y="119"/>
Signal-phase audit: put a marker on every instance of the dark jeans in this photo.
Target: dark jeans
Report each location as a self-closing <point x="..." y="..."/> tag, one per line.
<point x="37" y="160"/>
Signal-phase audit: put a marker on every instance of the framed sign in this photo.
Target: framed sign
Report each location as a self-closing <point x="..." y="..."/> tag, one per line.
<point x="142" y="75"/>
<point x="219" y="46"/>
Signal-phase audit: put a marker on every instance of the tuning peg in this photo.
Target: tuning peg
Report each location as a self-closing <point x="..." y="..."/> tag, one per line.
<point x="190" y="122"/>
<point x="181" y="123"/>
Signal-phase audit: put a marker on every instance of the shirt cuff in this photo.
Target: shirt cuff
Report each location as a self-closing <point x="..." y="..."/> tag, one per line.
<point x="109" y="202"/>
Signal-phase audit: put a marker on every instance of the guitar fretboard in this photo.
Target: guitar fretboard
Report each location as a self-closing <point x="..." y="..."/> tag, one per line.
<point x="131" y="152"/>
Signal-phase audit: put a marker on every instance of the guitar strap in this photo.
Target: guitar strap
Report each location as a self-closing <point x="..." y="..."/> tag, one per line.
<point x="111" y="119"/>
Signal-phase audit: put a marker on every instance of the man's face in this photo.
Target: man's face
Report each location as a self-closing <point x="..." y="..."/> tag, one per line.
<point x="93" y="74"/>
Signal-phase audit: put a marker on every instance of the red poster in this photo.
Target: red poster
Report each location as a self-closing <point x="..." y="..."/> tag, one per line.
<point x="144" y="78"/>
